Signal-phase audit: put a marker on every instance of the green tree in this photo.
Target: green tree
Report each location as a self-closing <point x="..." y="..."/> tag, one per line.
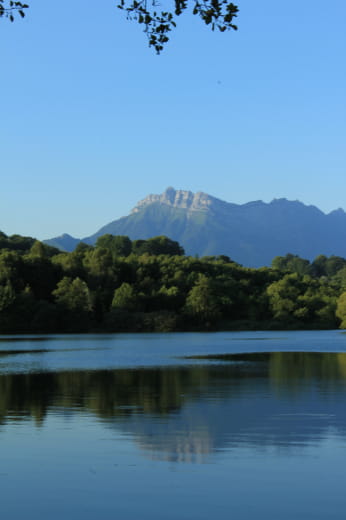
<point x="82" y="247"/>
<point x="16" y="242"/>
<point x="170" y="298"/>
<point x="9" y="262"/>
<point x="74" y="305"/>
<point x="334" y="264"/>
<point x="291" y="263"/>
<point x="202" y="302"/>
<point x="283" y="297"/>
<point x="70" y="263"/>
<point x="160" y="245"/>
<point x="339" y="279"/>
<point x="99" y="265"/>
<point x="40" y="274"/>
<point x="303" y="298"/>
<point x="7" y="295"/>
<point x="118" y="245"/>
<point x="319" y="266"/>
<point x="73" y="295"/>
<point x="341" y="310"/>
<point x="125" y="298"/>
<point x="37" y="250"/>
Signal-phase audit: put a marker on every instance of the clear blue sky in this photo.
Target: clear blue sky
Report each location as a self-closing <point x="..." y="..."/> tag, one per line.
<point x="92" y="120"/>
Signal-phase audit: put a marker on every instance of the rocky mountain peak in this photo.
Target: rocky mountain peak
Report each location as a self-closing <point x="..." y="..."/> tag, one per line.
<point x="178" y="199"/>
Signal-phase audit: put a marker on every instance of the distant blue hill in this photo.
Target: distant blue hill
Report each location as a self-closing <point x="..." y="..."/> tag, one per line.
<point x="64" y="242"/>
<point x="251" y="234"/>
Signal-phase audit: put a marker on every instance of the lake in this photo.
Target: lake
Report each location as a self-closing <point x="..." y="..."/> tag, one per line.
<point x="174" y="426"/>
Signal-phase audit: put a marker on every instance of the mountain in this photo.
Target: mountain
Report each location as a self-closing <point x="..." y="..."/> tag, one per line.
<point x="251" y="234"/>
<point x="64" y="242"/>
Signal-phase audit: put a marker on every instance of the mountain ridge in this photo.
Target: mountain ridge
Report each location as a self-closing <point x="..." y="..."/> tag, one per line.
<point x="251" y="234"/>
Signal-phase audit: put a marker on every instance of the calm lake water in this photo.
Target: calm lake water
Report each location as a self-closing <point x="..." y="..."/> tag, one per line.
<point x="174" y="426"/>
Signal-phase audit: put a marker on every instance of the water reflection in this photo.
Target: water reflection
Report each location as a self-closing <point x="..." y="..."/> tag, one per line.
<point x="282" y="400"/>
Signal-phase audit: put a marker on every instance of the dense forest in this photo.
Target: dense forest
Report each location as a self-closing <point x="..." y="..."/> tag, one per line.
<point x="150" y="285"/>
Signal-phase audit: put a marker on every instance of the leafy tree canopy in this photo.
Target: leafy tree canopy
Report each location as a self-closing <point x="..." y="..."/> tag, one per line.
<point x="341" y="310"/>
<point x="160" y="245"/>
<point x="118" y="245"/>
<point x="157" y="288"/>
<point x="124" y="297"/>
<point x="157" y="22"/>
<point x="73" y="294"/>
<point x="291" y="263"/>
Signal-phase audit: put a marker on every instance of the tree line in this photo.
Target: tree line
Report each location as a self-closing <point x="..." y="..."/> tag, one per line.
<point x="150" y="285"/>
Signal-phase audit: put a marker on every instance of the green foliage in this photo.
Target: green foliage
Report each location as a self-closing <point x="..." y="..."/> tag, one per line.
<point x="41" y="250"/>
<point x="98" y="263"/>
<point x="118" y="245"/>
<point x="292" y="264"/>
<point x="70" y="264"/>
<point x="283" y="297"/>
<point x="16" y="242"/>
<point x="339" y="279"/>
<point x="160" y="245"/>
<point x="73" y="295"/>
<point x="156" y="287"/>
<point x="324" y="266"/>
<point x="7" y="295"/>
<point x="341" y="310"/>
<point x="125" y="298"/>
<point x="41" y="275"/>
<point x="202" y="301"/>
<point x="82" y="247"/>
<point x="301" y="298"/>
<point x="333" y="265"/>
<point x="169" y="298"/>
<point x="9" y="266"/>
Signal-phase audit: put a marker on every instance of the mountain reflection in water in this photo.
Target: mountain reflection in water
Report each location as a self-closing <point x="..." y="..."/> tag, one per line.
<point x="283" y="400"/>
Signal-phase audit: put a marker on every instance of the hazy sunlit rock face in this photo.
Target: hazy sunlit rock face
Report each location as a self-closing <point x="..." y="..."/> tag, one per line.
<point x="180" y="199"/>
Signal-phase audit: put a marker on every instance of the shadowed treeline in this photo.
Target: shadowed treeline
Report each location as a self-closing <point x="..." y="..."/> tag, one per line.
<point x="149" y="285"/>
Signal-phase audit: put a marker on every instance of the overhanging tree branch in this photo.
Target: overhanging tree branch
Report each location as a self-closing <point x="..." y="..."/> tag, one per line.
<point x="9" y="8"/>
<point x="219" y="14"/>
<point x="158" y="23"/>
